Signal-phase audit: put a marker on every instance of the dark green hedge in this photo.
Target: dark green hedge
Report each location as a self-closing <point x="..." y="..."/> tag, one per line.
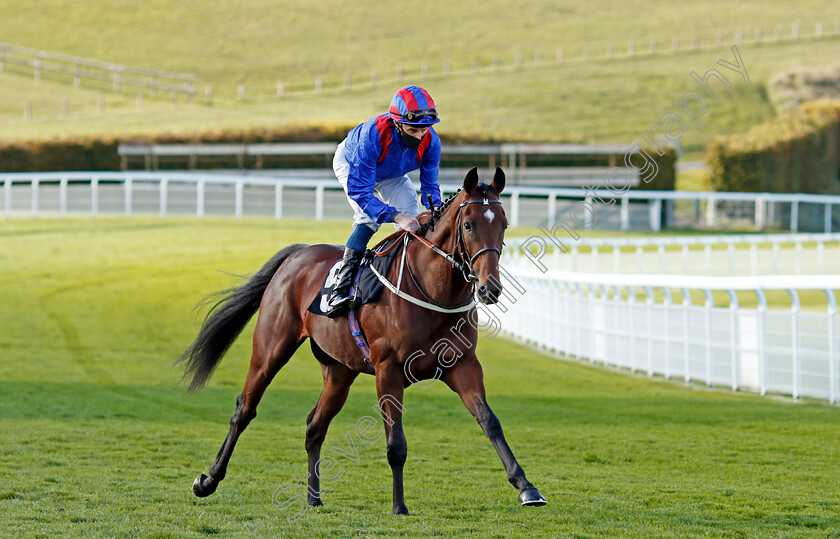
<point x="798" y="152"/>
<point x="666" y="176"/>
<point x="100" y="154"/>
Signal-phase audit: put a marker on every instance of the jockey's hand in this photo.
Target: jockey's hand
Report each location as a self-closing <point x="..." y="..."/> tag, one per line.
<point x="407" y="222"/>
<point x="424" y="217"/>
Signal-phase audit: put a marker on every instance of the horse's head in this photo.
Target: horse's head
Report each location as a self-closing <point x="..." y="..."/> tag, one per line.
<point x="481" y="225"/>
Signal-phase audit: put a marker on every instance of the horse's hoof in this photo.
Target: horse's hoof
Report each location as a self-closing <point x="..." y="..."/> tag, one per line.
<point x="315" y="502"/>
<point x="531" y="497"/>
<point x="400" y="509"/>
<point x="204" y="486"/>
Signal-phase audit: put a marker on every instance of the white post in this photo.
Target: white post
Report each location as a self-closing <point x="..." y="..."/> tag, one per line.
<point x="631" y="300"/>
<point x="319" y="202"/>
<point x="514" y="209"/>
<point x="567" y="328"/>
<point x="685" y="255"/>
<point x="649" y="324"/>
<point x="794" y="216"/>
<point x="796" y="340"/>
<point x="595" y="258"/>
<point x="94" y="197"/>
<point x="552" y="209"/>
<point x="762" y="340"/>
<point x="616" y="258"/>
<point x="7" y="198"/>
<point x="760" y="214"/>
<point x="686" y="303"/>
<point x="754" y="258"/>
<point x="711" y="212"/>
<point x="35" y="197"/>
<point x="240" y="186"/>
<point x="128" y="204"/>
<point x="163" y="196"/>
<point x="667" y="331"/>
<point x="733" y="337"/>
<point x="655" y="209"/>
<point x="640" y="258"/>
<point x="661" y="251"/>
<point x="62" y="197"/>
<point x="833" y="396"/>
<point x="625" y="214"/>
<point x="708" y="335"/>
<point x="828" y="216"/>
<point x="278" y="201"/>
<point x="199" y="199"/>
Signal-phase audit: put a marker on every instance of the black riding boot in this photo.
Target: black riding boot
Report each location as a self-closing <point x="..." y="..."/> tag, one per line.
<point x="340" y="298"/>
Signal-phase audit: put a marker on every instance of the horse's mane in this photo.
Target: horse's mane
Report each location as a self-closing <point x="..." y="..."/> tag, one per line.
<point x="482" y="188"/>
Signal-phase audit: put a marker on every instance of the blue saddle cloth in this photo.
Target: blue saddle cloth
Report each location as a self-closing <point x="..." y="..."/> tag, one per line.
<point x="367" y="285"/>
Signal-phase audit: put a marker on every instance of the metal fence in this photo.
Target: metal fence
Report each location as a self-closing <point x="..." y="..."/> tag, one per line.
<point x="736" y="254"/>
<point x="200" y="194"/>
<point x="648" y="323"/>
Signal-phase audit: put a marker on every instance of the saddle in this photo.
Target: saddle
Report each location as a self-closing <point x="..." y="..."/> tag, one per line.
<point x="366" y="286"/>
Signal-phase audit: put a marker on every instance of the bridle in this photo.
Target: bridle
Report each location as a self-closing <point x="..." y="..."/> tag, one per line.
<point x="463" y="252"/>
<point x="464" y="265"/>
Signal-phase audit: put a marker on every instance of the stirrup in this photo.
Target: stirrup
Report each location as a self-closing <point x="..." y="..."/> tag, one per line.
<point x="341" y="307"/>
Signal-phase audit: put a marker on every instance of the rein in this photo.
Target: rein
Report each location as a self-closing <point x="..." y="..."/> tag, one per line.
<point x="464" y="265"/>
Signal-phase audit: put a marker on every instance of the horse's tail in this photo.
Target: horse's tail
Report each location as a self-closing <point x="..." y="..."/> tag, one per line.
<point x="225" y="321"/>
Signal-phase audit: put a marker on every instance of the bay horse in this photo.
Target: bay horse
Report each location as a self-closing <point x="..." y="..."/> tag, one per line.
<point x="471" y="221"/>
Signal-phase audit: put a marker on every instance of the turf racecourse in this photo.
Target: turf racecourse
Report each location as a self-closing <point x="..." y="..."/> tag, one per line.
<point x="98" y="438"/>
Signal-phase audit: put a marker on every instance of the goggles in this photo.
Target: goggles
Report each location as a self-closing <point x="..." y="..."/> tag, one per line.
<point x="417" y="115"/>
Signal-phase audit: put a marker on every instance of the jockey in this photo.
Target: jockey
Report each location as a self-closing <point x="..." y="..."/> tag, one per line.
<point x="375" y="157"/>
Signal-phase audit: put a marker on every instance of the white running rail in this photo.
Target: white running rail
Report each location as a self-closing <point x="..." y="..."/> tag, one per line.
<point x="736" y="254"/>
<point x="241" y="195"/>
<point x="649" y="323"/>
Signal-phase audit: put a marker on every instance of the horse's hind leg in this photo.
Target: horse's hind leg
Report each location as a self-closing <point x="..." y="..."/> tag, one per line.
<point x="337" y="381"/>
<point x="266" y="361"/>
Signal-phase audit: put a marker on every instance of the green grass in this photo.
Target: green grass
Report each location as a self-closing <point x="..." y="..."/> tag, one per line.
<point x="258" y="43"/>
<point x="100" y="440"/>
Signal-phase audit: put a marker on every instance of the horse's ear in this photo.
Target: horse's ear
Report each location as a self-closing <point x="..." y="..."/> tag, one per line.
<point x="471" y="180"/>
<point x="498" y="181"/>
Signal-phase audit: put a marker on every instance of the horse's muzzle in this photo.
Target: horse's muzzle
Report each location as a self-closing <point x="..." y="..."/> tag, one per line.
<point x="489" y="292"/>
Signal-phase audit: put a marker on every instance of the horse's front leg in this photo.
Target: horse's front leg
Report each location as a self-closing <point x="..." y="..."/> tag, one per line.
<point x="466" y="378"/>
<point x="390" y="386"/>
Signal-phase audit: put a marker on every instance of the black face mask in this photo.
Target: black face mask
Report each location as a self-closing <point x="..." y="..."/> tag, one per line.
<point x="408" y="140"/>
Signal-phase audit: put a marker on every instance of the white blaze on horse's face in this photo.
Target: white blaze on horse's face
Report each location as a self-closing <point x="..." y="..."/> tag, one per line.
<point x="490" y="215"/>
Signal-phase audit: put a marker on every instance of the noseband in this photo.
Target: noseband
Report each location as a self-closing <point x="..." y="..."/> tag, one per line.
<point x="466" y="267"/>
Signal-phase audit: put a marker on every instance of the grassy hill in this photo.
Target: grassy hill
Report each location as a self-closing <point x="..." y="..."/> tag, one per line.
<point x="258" y="43"/>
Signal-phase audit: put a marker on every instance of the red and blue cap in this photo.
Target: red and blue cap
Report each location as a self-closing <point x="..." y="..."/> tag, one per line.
<point x="413" y="106"/>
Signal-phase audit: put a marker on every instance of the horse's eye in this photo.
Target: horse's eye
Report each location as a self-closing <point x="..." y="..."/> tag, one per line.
<point x="467" y="226"/>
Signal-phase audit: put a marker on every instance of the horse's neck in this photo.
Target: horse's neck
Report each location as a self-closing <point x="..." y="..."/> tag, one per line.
<point x="443" y="283"/>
